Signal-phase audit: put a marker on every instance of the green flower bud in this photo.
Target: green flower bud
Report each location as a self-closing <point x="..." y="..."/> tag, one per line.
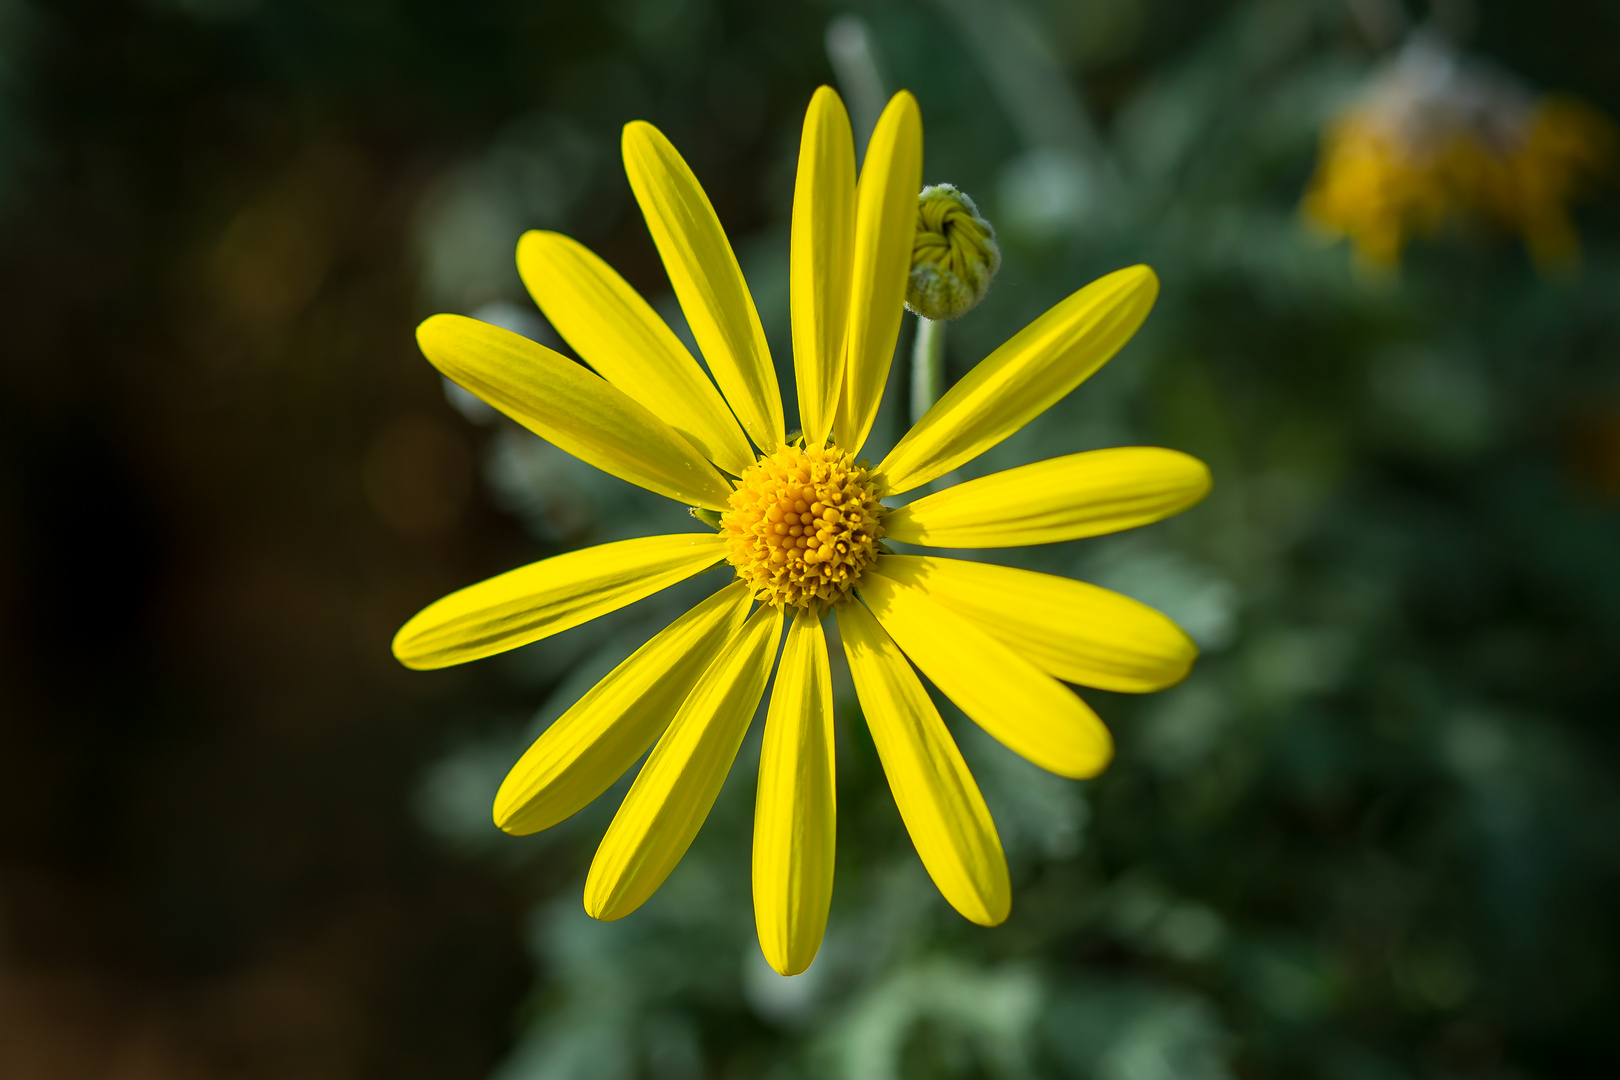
<point x="953" y="257"/>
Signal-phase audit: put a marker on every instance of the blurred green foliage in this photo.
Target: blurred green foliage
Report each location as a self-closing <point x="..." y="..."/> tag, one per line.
<point x="1371" y="837"/>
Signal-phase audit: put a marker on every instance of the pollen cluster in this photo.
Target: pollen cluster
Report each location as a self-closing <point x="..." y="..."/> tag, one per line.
<point x="803" y="525"/>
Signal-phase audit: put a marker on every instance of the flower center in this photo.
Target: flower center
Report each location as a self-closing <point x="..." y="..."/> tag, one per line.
<point x="803" y="525"/>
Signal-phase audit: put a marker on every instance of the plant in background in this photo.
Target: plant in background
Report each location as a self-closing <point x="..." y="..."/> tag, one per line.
<point x="800" y="519"/>
<point x="1435" y="136"/>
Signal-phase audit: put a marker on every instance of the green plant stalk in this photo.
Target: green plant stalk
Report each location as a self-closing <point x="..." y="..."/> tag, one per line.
<point x="927" y="366"/>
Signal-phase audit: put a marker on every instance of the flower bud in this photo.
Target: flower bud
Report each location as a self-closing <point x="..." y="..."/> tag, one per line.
<point x="953" y="257"/>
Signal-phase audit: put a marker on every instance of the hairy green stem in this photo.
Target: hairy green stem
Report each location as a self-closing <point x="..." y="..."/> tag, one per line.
<point x="927" y="366"/>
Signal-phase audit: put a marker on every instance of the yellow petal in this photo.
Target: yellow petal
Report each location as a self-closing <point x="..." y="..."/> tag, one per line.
<point x="1064" y="498"/>
<point x="885" y="225"/>
<point x="1025" y="377"/>
<point x="603" y="733"/>
<point x="675" y="789"/>
<point x="707" y="280"/>
<point x="618" y="333"/>
<point x="937" y="798"/>
<point x="1020" y="705"/>
<point x="823" y="239"/>
<point x="795" y="812"/>
<point x="567" y="405"/>
<point x="548" y="597"/>
<point x="1070" y="630"/>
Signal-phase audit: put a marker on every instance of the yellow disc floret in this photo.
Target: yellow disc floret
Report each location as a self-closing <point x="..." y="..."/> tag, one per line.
<point x="803" y="526"/>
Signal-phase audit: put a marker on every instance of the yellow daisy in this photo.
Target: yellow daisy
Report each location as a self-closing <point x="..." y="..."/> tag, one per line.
<point x="800" y="519"/>
<point x="1434" y="136"/>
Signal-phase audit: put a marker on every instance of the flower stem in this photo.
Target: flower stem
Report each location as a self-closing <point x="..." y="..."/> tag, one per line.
<point x="927" y="366"/>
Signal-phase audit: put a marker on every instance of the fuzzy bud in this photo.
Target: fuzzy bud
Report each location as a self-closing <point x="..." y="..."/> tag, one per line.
<point x="953" y="257"/>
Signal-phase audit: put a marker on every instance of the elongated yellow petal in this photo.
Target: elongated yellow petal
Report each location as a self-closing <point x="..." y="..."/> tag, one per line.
<point x="795" y="812"/>
<point x="675" y="789"/>
<point x="1025" y="377"/>
<point x="603" y="733"/>
<point x="1020" y="705"/>
<point x="578" y="411"/>
<point x="1064" y="498"/>
<point x="1073" y="631"/>
<point x="707" y="280"/>
<point x="548" y="597"/>
<point x="618" y="333"/>
<point x="885" y="225"/>
<point x="823" y="240"/>
<point x="936" y="795"/>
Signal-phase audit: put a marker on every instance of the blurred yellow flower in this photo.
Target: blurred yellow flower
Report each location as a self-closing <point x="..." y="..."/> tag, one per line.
<point x="801" y="522"/>
<point x="1432" y="138"/>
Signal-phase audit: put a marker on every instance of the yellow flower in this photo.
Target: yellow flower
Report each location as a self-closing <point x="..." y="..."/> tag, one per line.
<point x="1433" y="137"/>
<point x="802" y="524"/>
<point x="1377" y="192"/>
<point x="1562" y="145"/>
